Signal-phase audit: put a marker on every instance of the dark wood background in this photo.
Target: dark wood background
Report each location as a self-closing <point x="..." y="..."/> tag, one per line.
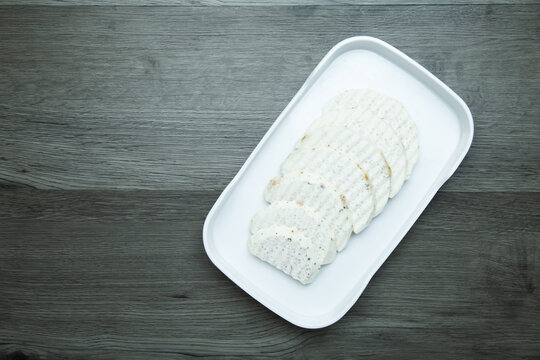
<point x="121" y="125"/>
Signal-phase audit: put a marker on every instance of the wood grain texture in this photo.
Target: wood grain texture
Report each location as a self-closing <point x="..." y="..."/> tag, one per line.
<point x="177" y="98"/>
<point x="112" y="274"/>
<point x="120" y="126"/>
<point x="257" y="2"/>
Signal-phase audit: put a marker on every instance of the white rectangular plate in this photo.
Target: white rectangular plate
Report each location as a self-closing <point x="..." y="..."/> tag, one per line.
<point x="445" y="130"/>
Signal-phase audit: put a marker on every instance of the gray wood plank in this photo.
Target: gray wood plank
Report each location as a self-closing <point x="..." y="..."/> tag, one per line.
<point x="258" y="2"/>
<point x="177" y="97"/>
<point x="123" y="274"/>
<point x="133" y="119"/>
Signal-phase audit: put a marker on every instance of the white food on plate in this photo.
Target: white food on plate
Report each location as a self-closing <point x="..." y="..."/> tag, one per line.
<point x="359" y="149"/>
<point x="354" y="157"/>
<point x="298" y="217"/>
<point x="378" y="132"/>
<point x="291" y="252"/>
<point x="387" y="109"/>
<point x="320" y="195"/>
<point x="344" y="173"/>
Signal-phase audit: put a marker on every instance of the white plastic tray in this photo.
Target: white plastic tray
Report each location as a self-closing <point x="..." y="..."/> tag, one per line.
<point x="445" y="129"/>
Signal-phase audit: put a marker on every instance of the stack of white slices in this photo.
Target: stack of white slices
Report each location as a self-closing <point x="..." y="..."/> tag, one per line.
<point x="350" y="161"/>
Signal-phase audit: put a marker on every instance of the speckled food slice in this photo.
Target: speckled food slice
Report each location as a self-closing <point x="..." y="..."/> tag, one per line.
<point x="320" y="195"/>
<point x="343" y="173"/>
<point x="291" y="252"/>
<point x="381" y="135"/>
<point x="389" y="110"/>
<point x="360" y="150"/>
<point x="299" y="216"/>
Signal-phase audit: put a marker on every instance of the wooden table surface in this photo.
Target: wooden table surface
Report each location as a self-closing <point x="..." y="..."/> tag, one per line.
<point x="121" y="125"/>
